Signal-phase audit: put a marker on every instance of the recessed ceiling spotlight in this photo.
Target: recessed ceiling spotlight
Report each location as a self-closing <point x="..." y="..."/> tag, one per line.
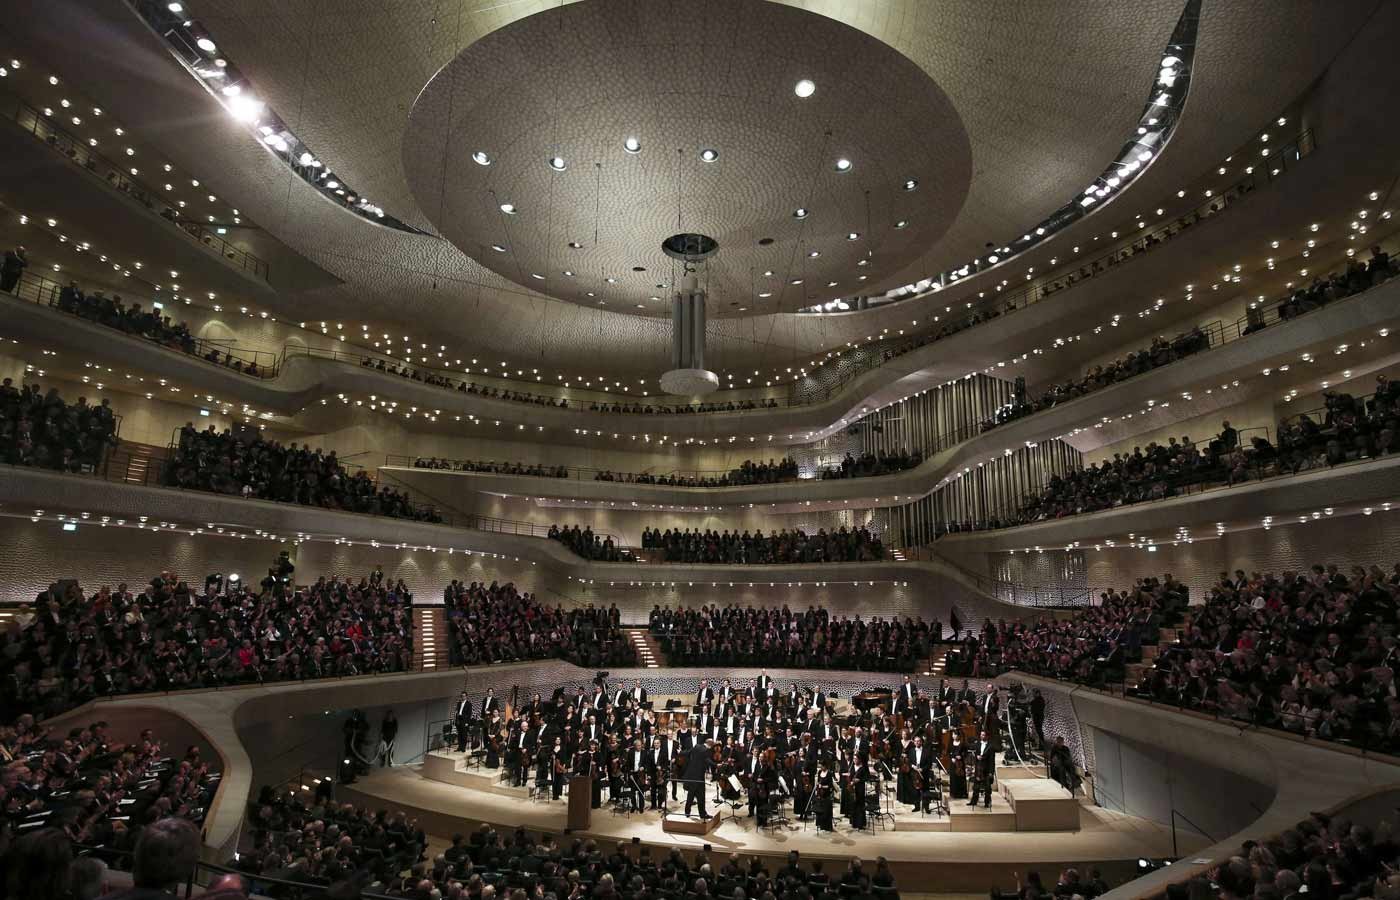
<point x="632" y="145"/>
<point x="831" y="284"/>
<point x="611" y="280"/>
<point x="569" y="272"/>
<point x="863" y="262"/>
<point x="853" y="236"/>
<point x="800" y="213"/>
<point x="911" y="184"/>
<point x="205" y="44"/>
<point x="901" y="223"/>
<point x="814" y="254"/>
<point x="805" y="88"/>
<point x="795" y="281"/>
<point x="843" y="165"/>
<point x="509" y="209"/>
<point x="709" y="155"/>
<point x="575" y="245"/>
<point x="498" y="248"/>
<point x="481" y="158"/>
<point x="765" y="294"/>
<point x="537" y="277"/>
<point x="557" y="163"/>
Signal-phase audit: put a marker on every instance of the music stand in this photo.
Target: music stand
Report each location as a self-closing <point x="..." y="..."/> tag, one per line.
<point x="737" y="802"/>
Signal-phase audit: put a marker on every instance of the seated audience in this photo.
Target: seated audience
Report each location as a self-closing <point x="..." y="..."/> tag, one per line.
<point x="843" y="545"/>
<point x="82" y="785"/>
<point x="169" y="635"/>
<point x="40" y="429"/>
<point x="589" y="545"/>
<point x="154" y="325"/>
<point x="1161" y="353"/>
<point x="245" y="465"/>
<point x="735" y="636"/>
<point x="496" y="623"/>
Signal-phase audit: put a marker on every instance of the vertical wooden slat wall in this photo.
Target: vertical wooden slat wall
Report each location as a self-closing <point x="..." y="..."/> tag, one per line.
<point x="994" y="489"/>
<point x="935" y="419"/>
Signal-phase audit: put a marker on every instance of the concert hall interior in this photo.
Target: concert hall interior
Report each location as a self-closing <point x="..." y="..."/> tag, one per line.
<point x="724" y="450"/>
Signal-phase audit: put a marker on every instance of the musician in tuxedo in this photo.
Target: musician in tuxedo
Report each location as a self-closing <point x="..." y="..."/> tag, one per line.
<point x="698" y="763"/>
<point x="705" y="696"/>
<point x="946" y="693"/>
<point x="638" y="694"/>
<point x="912" y="783"/>
<point x="462" y="719"/>
<point x="593" y="729"/>
<point x="489" y="704"/>
<point x="522" y="751"/>
<point x="818" y="699"/>
<point x="985" y="769"/>
<point x="659" y="756"/>
<point x="635" y="765"/>
<point x="589" y="762"/>
<point x="764" y="684"/>
<point x="904" y="700"/>
<point x="685" y="742"/>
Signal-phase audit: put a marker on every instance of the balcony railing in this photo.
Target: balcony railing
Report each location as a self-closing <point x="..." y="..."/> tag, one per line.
<point x="256" y="363"/>
<point x="84" y="157"/>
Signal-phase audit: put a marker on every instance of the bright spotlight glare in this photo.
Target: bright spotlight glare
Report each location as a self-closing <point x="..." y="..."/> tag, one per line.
<point x="245" y="108"/>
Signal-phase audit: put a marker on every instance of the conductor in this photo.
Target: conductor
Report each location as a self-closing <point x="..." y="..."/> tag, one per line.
<point x="698" y="762"/>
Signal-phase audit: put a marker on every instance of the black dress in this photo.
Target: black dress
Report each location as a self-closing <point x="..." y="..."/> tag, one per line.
<point x="824" y="802"/>
<point x="857" y="809"/>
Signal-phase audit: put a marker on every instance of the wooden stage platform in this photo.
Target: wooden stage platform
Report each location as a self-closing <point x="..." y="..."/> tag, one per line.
<point x="968" y="850"/>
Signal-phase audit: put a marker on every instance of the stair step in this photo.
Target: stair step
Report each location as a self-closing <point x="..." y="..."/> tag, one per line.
<point x="938" y="660"/>
<point x="430" y="625"/>
<point x="648" y="652"/>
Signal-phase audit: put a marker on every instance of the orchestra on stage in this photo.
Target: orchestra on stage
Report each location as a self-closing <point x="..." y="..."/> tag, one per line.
<point x="750" y="747"/>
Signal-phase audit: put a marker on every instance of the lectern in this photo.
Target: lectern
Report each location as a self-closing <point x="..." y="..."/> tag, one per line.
<point x="580" y="803"/>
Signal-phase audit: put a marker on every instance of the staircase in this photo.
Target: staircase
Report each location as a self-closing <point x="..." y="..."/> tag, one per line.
<point x="136" y="464"/>
<point x="648" y="653"/>
<point x="430" y="626"/>
<point x="937" y="661"/>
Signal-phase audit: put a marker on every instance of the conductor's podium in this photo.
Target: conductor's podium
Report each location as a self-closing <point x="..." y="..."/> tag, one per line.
<point x="679" y="823"/>
<point x="1041" y="804"/>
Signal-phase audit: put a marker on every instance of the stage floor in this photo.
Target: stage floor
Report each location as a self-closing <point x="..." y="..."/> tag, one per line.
<point x="962" y="860"/>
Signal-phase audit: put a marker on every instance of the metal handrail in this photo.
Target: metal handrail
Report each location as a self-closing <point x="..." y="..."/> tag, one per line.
<point x="715" y="477"/>
<point x="1175" y="814"/>
<point x="1256" y="473"/>
<point x="47" y="292"/>
<point x="456" y="518"/>
<point x="82" y="155"/>
<point x="1301" y="145"/>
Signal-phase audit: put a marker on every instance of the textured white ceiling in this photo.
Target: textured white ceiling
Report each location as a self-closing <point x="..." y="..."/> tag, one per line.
<point x="1046" y="93"/>
<point x="573" y="82"/>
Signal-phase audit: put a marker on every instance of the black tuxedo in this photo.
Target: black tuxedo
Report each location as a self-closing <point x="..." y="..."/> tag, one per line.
<point x="985" y="770"/>
<point x="697" y="766"/>
<point x="462" y="720"/>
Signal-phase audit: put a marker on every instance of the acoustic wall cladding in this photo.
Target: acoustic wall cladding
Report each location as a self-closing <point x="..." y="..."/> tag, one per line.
<point x="995" y="489"/>
<point x="935" y="419"/>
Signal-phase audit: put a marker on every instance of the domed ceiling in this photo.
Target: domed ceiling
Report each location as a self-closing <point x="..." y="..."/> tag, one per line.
<point x="562" y="149"/>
